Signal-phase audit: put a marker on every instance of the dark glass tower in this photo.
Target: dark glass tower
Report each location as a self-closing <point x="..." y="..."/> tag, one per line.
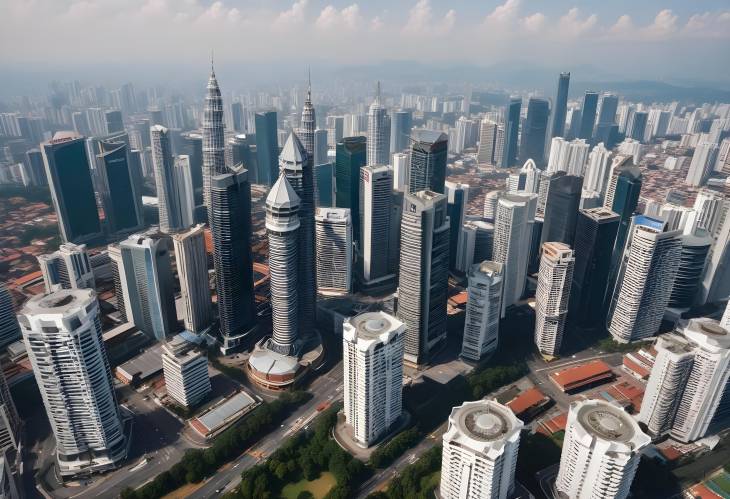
<point x="609" y="106"/>
<point x="533" y="133"/>
<point x="214" y="162"/>
<point x="427" y="171"/>
<point x="595" y="235"/>
<point x="267" y="147"/>
<point x="560" y="106"/>
<point x="114" y="122"/>
<point x="588" y="115"/>
<point x="511" y="132"/>
<point x="350" y="157"/>
<point x="401" y="124"/>
<point x="192" y="146"/>
<point x="122" y="202"/>
<point x="67" y="169"/>
<point x="561" y="194"/>
<point x="638" y="125"/>
<point x="230" y="227"/>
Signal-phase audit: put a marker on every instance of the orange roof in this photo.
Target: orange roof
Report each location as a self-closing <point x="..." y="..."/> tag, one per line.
<point x="573" y="377"/>
<point x="555" y="424"/>
<point x="638" y="369"/>
<point x="527" y="400"/>
<point x="670" y="453"/>
<point x="460" y="299"/>
<point x="208" y="240"/>
<point x="20" y="281"/>
<point x="700" y="491"/>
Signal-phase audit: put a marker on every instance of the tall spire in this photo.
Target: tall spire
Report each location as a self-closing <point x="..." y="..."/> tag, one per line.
<point x="309" y="84"/>
<point x="212" y="71"/>
<point x="377" y="92"/>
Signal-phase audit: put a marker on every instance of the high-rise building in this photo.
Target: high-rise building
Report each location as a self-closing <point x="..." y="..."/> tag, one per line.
<point x="716" y="279"/>
<point x="427" y="168"/>
<point x="36" y="169"/>
<point x="267" y="147"/>
<point x="487" y="142"/>
<point x="534" y="131"/>
<point x="238" y="117"/>
<point x="9" y="328"/>
<point x="113" y="120"/>
<point x="349" y="159"/>
<point x="644" y="282"/>
<point x="709" y="206"/>
<point x="335" y="128"/>
<point x="296" y="164"/>
<point x="10" y="423"/>
<point x="457" y="196"/>
<point x="192" y="270"/>
<point x="558" y="203"/>
<point x="334" y="250"/>
<point x="214" y="162"/>
<point x="68" y="268"/>
<point x="511" y="131"/>
<point x="400" y="170"/>
<point x="192" y="147"/>
<point x="703" y="162"/>
<point x="491" y="199"/>
<point x="185" y="192"/>
<point x="637" y="126"/>
<point x="601" y="451"/>
<point x="121" y="286"/>
<point x="308" y="123"/>
<point x="373" y="363"/>
<point x="148" y="276"/>
<point x="424" y="274"/>
<point x="120" y="194"/>
<point x="560" y="107"/>
<point x="512" y="237"/>
<point x="401" y="124"/>
<point x="320" y="147"/>
<point x="483" y="309"/>
<point x="185" y="368"/>
<point x="567" y="156"/>
<point x="375" y="215"/>
<point x="595" y="235"/>
<point x="588" y="116"/>
<point x="378" y="138"/>
<point x="552" y="296"/>
<point x="597" y="171"/>
<point x="527" y="179"/>
<point x="230" y="227"/>
<point x="480" y="449"/>
<point x="695" y="248"/>
<point x="324" y="182"/>
<point x="168" y="199"/>
<point x="609" y="107"/>
<point x="725" y="321"/>
<point x="72" y="191"/>
<point x="62" y="331"/>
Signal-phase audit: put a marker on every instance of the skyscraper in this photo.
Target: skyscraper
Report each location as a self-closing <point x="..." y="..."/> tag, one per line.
<point x="320" y="147"/>
<point x="424" y="274"/>
<point x="644" y="282"/>
<point x="703" y="162"/>
<point x="267" y="147"/>
<point x="308" y="124"/>
<point x="378" y="138"/>
<point x="10" y="423"/>
<point x="113" y="120"/>
<point x="324" y="181"/>
<point x="375" y="241"/>
<point x="62" y="331"/>
<point x="487" y="142"/>
<point x="401" y="124"/>
<point x="335" y="129"/>
<point x="373" y="360"/>
<point x="534" y="131"/>
<point x="609" y="106"/>
<point x="560" y="107"/>
<point x="601" y="451"/>
<point x="214" y="161"/>
<point x="9" y="328"/>
<point x="480" y="451"/>
<point x="185" y="192"/>
<point x="192" y="269"/>
<point x="568" y="156"/>
<point x="72" y="192"/>
<point x="597" y="171"/>
<point x="457" y="196"/>
<point x="695" y="248"/>
<point x="186" y="372"/>
<point x="121" y="196"/>
<point x="334" y="250"/>
<point x="511" y="131"/>
<point x="558" y="203"/>
<point x="230" y="227"/>
<point x="427" y="168"/>
<point x="483" y="309"/>
<point x="716" y="279"/>
<point x="588" y="116"/>
<point x="168" y="199"/>
<point x="350" y="158"/>
<point x="67" y="268"/>
<point x="527" y="179"/>
<point x="552" y="296"/>
<point x="637" y="126"/>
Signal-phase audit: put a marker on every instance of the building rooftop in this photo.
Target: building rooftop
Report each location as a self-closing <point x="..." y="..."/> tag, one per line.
<point x="426" y="135"/>
<point x="60" y="302"/>
<point x="574" y="377"/>
<point x="226" y="412"/>
<point x="483" y="421"/>
<point x="293" y="152"/>
<point x="527" y="400"/>
<point x="143" y="366"/>
<point x="606" y="421"/>
<point x="282" y="194"/>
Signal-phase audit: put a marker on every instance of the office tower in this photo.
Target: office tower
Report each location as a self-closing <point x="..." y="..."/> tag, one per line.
<point x="601" y="451"/>
<point x="511" y="131"/>
<point x="192" y="270"/>
<point x="400" y="170"/>
<point x="483" y="309"/>
<point x="378" y="138"/>
<point x="499" y="145"/>
<point x="703" y="162"/>
<point x="552" y="296"/>
<point x="334" y="250"/>
<point x="424" y="274"/>
<point x="396" y="215"/>
<point x="466" y="135"/>
<point x="560" y="107"/>
<point x="10" y="423"/>
<point x="148" y="276"/>
<point x="487" y="142"/>
<point x="67" y="268"/>
<point x="637" y="126"/>
<point x="238" y="117"/>
<point x="230" y="227"/>
<point x="296" y="164"/>
<point x="480" y="449"/>
<point x="527" y="179"/>
<point x="716" y="279"/>
<point x="491" y="199"/>
<point x="121" y="197"/>
<point x="588" y="115"/>
<point x="558" y="204"/>
<point x="62" y="331"/>
<point x="597" y="171"/>
<point x="483" y="241"/>
<point x="185" y="193"/>
<point x="725" y="321"/>
<point x="186" y="371"/>
<point x="695" y="248"/>
<point x="192" y="147"/>
<point x="709" y="206"/>
<point x="567" y="156"/>
<point x="320" y="147"/>
<point x="324" y="182"/>
<point x="512" y="236"/>
<point x="457" y="196"/>
<point x="595" y="235"/>
<point x="214" y="162"/>
<point x="69" y="179"/>
<point x="113" y="120"/>
<point x="80" y="123"/>
<point x="401" y="124"/>
<point x="373" y="360"/>
<point x="168" y="199"/>
<point x="427" y="168"/>
<point x="308" y="123"/>
<point x="335" y="126"/>
<point x="36" y="168"/>
<point x="267" y="147"/>
<point x="121" y="286"/>
<point x="9" y="328"/>
<point x="644" y="282"/>
<point x="375" y="210"/>
<point x="609" y="107"/>
<point x="241" y="149"/>
<point x="349" y="159"/>
<point x="534" y="130"/>
<point x="282" y="227"/>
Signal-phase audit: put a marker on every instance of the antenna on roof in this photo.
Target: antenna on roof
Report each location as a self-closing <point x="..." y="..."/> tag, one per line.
<point x="212" y="71"/>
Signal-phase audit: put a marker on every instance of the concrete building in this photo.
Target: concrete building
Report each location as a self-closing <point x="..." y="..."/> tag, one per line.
<point x="427" y="167"/>
<point x="373" y="366"/>
<point x="480" y="450"/>
<point x="716" y="279"/>
<point x="557" y="205"/>
<point x="10" y="423"/>
<point x="457" y="195"/>
<point x="695" y="249"/>
<point x="527" y="179"/>
<point x="601" y="451"/>
<point x="308" y="124"/>
<point x="62" y="332"/>
<point x="168" y="198"/>
<point x="333" y="227"/>
<point x="401" y="124"/>
<point x="568" y="156"/>
<point x="378" y="138"/>
<point x="67" y="268"/>
<point x="400" y="170"/>
<point x="487" y="142"/>
<point x="702" y="165"/>
<point x="185" y="368"/>
<point x="597" y="170"/>
<point x="483" y="309"/>
<point x="491" y="199"/>
<point x="375" y="223"/>
<point x="192" y="270"/>
<point x="9" y="328"/>
<point x="552" y="296"/>
<point x="213" y="152"/>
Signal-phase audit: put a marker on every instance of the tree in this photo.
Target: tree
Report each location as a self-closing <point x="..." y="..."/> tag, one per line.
<point x="305" y="494"/>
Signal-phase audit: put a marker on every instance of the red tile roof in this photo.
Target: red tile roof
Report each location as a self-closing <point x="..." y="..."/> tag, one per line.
<point x="527" y="400"/>
<point x="577" y="376"/>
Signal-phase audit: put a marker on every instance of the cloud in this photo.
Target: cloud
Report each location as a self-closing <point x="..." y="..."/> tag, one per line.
<point x="623" y="26"/>
<point x="533" y="23"/>
<point x="665" y="24"/>
<point x="708" y="25"/>
<point x="504" y="13"/>
<point x="330" y="18"/>
<point x="292" y="16"/>
<point x="421" y="20"/>
<point x="571" y="25"/>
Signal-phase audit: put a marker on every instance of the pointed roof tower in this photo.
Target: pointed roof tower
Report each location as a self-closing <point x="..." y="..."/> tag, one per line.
<point x="293" y="154"/>
<point x="282" y="195"/>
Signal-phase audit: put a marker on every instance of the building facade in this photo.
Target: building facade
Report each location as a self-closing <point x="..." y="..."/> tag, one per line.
<point x="483" y="310"/>
<point x="192" y="270"/>
<point x="333" y="227"/>
<point x="552" y="296"/>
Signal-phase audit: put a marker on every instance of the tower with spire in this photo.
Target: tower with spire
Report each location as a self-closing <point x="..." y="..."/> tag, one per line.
<point x="306" y="132"/>
<point x="378" y="144"/>
<point x="213" y="135"/>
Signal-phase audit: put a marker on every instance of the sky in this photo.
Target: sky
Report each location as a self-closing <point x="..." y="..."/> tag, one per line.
<point x="638" y="39"/>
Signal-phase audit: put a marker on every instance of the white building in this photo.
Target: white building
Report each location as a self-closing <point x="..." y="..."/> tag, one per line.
<point x="487" y="142"/>
<point x="186" y="371"/>
<point x="333" y="231"/>
<point x="168" y="199"/>
<point x="378" y="136"/>
<point x="725" y="321"/>
<point x="552" y="296"/>
<point x="375" y="210"/>
<point x="192" y="270"/>
<point x="632" y="148"/>
<point x="597" y="171"/>
<point x="373" y="366"/>
<point x="567" y="156"/>
<point x="711" y="207"/>
<point x="527" y="179"/>
<point x="67" y="268"/>
<point x="483" y="309"/>
<point x="400" y="169"/>
<point x="480" y="450"/>
<point x="185" y="194"/>
<point x="716" y="279"/>
<point x="62" y="332"/>
<point x="601" y="451"/>
<point x="702" y="165"/>
<point x="490" y="204"/>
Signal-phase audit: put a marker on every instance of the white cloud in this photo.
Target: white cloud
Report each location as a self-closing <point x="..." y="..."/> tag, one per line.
<point x="292" y="16"/>
<point x="533" y="23"/>
<point x="623" y="26"/>
<point x="331" y="18"/>
<point x="571" y="24"/>
<point x="708" y="25"/>
<point x="421" y="20"/>
<point x="665" y="23"/>
<point x="504" y="13"/>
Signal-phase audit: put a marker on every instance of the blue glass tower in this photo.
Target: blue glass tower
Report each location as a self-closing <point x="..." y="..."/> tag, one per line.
<point x="560" y="106"/>
<point x="533" y="132"/>
<point x="267" y="148"/>
<point x="511" y="132"/>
